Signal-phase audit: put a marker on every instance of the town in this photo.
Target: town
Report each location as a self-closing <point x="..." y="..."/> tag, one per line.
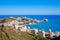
<point x="20" y="23"/>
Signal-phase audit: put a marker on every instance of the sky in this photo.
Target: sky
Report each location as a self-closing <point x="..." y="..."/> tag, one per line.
<point x="29" y="7"/>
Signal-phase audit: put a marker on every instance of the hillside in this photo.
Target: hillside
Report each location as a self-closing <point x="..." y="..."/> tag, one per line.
<point x="9" y="33"/>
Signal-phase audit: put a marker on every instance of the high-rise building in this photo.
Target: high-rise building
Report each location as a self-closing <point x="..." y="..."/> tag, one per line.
<point x="41" y="33"/>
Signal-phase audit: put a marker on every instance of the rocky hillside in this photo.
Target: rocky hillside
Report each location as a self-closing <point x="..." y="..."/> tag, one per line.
<point x="8" y="33"/>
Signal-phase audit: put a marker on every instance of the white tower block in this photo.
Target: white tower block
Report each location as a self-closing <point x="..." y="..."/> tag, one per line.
<point x="41" y="33"/>
<point x="49" y="31"/>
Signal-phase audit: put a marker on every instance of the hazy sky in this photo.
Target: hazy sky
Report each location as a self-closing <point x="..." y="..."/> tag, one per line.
<point x="30" y="7"/>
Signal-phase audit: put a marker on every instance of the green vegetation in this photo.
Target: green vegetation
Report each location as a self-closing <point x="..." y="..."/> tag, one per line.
<point x="37" y="37"/>
<point x="0" y="26"/>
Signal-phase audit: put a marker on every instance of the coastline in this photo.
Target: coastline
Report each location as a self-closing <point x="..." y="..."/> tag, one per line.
<point x="52" y="24"/>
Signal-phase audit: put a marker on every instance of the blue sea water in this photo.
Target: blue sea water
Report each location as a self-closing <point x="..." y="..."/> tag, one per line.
<point x="53" y="21"/>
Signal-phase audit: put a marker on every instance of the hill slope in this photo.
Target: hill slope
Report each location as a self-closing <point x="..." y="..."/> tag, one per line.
<point x="9" y="33"/>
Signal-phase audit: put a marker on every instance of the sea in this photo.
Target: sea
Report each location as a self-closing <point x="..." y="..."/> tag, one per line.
<point x="53" y="21"/>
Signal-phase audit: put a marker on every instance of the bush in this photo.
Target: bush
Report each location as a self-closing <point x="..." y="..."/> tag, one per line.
<point x="37" y="37"/>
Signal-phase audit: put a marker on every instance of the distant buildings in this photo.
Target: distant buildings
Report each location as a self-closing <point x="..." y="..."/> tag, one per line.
<point x="57" y="34"/>
<point x="21" y="22"/>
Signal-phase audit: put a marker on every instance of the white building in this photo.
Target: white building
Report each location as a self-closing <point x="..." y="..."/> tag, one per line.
<point x="28" y="30"/>
<point x="49" y="31"/>
<point x="34" y="31"/>
<point x="41" y="33"/>
<point x="19" y="18"/>
<point x="50" y="34"/>
<point x="14" y="24"/>
<point x="18" y="25"/>
<point x="11" y="17"/>
<point x="57" y="34"/>
<point x="24" y="29"/>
